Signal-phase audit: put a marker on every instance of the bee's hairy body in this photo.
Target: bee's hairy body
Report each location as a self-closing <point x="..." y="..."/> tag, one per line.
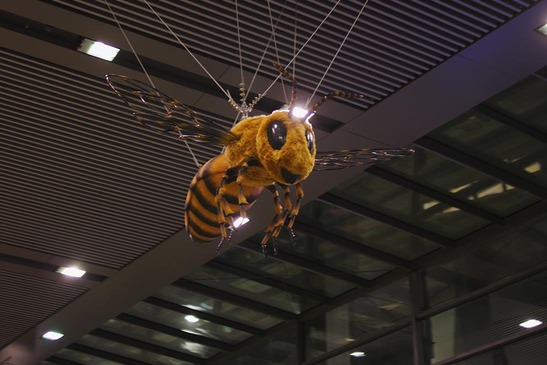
<point x="264" y="150"/>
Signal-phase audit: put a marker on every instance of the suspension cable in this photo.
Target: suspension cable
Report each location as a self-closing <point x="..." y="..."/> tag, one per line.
<point x="144" y="71"/>
<point x="337" y="52"/>
<point x="187" y="49"/>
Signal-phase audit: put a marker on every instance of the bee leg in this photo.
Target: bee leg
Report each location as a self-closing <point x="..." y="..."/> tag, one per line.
<point x="295" y="210"/>
<point x="278" y="213"/>
<point x="223" y="240"/>
<point x="242" y="200"/>
<point x="287" y="210"/>
<point x="222" y="216"/>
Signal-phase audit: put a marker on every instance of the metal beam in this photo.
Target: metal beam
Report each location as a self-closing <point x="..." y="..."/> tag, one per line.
<point x="174" y="332"/>
<point x="511" y="122"/>
<point x="470" y="161"/>
<point x="386" y="219"/>
<point x="105" y="355"/>
<point x="352" y="245"/>
<point x="434" y="194"/>
<point x="61" y="361"/>
<point x="202" y="315"/>
<point x="307" y="264"/>
<point x="321" y="359"/>
<point x="147" y="346"/>
<point x="497" y="285"/>
<point x="507" y="340"/>
<point x="260" y="277"/>
<point x="235" y="299"/>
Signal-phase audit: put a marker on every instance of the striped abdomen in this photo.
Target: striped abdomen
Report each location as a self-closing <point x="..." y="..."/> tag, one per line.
<point x="201" y="218"/>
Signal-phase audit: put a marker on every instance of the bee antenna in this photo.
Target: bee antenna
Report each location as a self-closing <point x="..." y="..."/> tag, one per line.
<point x="335" y="94"/>
<point x="291" y="78"/>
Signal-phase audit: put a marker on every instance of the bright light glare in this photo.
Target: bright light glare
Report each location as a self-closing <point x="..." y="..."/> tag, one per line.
<point x="192" y="319"/>
<point x="358" y="354"/>
<point x="530" y="323"/>
<point x="98" y="49"/>
<point x="299" y="112"/>
<point x="52" y="335"/>
<point x="543" y="29"/>
<point x="239" y="221"/>
<point x="71" y="271"/>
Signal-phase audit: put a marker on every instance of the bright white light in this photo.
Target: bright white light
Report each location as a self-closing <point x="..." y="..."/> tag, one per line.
<point x="543" y="29"/>
<point x="530" y="323"/>
<point x="299" y="112"/>
<point x="192" y="319"/>
<point x="239" y="221"/>
<point x="52" y="335"/>
<point x="71" y="271"/>
<point x="98" y="49"/>
<point x="358" y="354"/>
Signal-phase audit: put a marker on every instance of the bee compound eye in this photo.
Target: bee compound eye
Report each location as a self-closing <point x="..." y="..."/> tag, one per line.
<point x="277" y="134"/>
<point x="310" y="139"/>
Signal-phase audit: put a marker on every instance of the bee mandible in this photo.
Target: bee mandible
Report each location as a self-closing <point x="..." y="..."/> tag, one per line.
<point x="261" y="152"/>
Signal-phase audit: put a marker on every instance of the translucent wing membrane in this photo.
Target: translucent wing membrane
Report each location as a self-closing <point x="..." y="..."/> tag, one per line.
<point x="162" y="113"/>
<point x="334" y="160"/>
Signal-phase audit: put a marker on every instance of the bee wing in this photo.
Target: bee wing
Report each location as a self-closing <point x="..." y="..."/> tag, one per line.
<point x="162" y="113"/>
<point x="335" y="160"/>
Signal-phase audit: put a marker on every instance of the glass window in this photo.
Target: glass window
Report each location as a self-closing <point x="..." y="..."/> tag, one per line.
<point x="529" y="351"/>
<point x="83" y="358"/>
<point x="246" y="287"/>
<point x="470" y="186"/>
<point x="338" y="257"/>
<point x="284" y="272"/>
<point x="131" y="352"/>
<point x="501" y="255"/>
<point x="526" y="102"/>
<point x="498" y="144"/>
<point x="393" y="349"/>
<point x="274" y="350"/>
<point x="488" y="318"/>
<point x="365" y="231"/>
<point x="356" y="320"/>
<point x="159" y="338"/>
<point x="414" y="208"/>
<point x="217" y="307"/>
<point x="176" y="320"/>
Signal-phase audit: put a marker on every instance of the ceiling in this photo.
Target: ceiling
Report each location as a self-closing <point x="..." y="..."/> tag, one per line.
<point x="83" y="183"/>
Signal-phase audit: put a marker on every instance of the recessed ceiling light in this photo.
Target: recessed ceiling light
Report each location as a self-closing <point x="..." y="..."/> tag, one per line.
<point x="530" y="323"/>
<point x="98" y="49"/>
<point x="71" y="271"/>
<point x="52" y="335"/>
<point x="192" y="319"/>
<point x="358" y="354"/>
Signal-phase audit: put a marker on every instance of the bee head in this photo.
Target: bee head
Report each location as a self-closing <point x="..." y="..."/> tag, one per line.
<point x="286" y="147"/>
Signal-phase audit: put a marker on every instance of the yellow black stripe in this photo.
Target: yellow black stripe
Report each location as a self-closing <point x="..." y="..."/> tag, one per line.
<point x="201" y="216"/>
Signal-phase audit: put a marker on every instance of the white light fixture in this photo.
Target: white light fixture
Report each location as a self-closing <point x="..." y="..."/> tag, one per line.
<point x="530" y="323"/>
<point x="98" y="49"/>
<point x="299" y="112"/>
<point x="71" y="271"/>
<point x="192" y="319"/>
<point x="239" y="221"/>
<point x="52" y="335"/>
<point x="543" y="29"/>
<point x="358" y="354"/>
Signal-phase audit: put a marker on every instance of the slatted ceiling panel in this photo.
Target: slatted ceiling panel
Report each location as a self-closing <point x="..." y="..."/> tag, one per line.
<point x="392" y="44"/>
<point x="27" y="300"/>
<point x="81" y="179"/>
